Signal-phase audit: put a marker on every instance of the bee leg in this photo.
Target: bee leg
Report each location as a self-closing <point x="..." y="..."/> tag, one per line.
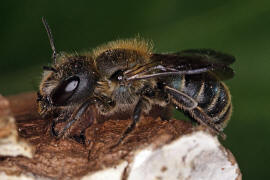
<point x="200" y="116"/>
<point x="190" y="105"/>
<point x="52" y="130"/>
<point x="75" y="116"/>
<point x="135" y="119"/>
<point x="79" y="138"/>
<point x="54" y="122"/>
<point x="180" y="99"/>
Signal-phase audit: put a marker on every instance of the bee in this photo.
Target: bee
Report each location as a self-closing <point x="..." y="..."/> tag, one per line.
<point x="126" y="76"/>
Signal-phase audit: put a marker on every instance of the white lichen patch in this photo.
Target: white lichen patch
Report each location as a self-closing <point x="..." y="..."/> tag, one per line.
<point x="110" y="173"/>
<point x="15" y="177"/>
<point x="194" y="156"/>
<point x="10" y="144"/>
<point x="198" y="155"/>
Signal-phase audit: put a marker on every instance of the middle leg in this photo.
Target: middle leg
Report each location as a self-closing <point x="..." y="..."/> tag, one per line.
<point x="135" y="118"/>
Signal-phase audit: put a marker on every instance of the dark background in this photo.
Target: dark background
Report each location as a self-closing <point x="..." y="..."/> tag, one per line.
<point x="241" y="28"/>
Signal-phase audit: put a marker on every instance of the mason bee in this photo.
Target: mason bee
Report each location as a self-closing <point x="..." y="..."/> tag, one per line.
<point x="126" y="76"/>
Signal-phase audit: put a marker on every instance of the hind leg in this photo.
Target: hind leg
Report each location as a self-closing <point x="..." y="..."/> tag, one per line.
<point x="190" y="106"/>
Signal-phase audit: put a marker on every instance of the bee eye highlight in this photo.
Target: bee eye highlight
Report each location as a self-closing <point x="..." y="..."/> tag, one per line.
<point x="71" y="86"/>
<point x="65" y="91"/>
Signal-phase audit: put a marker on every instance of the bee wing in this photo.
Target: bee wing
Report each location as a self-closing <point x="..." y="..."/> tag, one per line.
<point x="209" y="55"/>
<point x="187" y="62"/>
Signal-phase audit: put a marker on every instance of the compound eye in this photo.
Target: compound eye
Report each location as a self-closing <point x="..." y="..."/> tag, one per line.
<point x="65" y="91"/>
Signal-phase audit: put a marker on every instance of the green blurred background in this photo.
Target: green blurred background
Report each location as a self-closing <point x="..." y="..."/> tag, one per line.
<point x="241" y="28"/>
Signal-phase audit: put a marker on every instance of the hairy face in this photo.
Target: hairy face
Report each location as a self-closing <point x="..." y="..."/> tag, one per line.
<point x="70" y="83"/>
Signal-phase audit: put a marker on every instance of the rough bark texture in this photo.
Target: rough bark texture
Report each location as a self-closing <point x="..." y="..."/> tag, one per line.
<point x="146" y="152"/>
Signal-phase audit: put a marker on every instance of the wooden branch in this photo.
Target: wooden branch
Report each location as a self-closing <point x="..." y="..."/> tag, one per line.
<point x="156" y="149"/>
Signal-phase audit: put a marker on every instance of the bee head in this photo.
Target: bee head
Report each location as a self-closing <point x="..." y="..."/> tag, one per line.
<point x="67" y="83"/>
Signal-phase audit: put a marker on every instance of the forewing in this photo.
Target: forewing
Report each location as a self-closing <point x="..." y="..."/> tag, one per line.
<point x="209" y="55"/>
<point x="219" y="60"/>
<point x="188" y="62"/>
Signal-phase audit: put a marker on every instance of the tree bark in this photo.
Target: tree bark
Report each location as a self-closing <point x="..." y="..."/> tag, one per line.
<point x="155" y="149"/>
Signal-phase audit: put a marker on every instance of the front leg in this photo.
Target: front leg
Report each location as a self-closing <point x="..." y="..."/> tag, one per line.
<point x="72" y="119"/>
<point x="62" y="118"/>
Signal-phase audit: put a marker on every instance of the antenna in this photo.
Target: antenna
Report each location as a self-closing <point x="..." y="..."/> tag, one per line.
<point x="49" y="32"/>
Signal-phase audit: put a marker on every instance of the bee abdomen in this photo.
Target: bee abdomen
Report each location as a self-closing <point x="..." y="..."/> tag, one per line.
<point x="215" y="101"/>
<point x="212" y="95"/>
<point x="220" y="108"/>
